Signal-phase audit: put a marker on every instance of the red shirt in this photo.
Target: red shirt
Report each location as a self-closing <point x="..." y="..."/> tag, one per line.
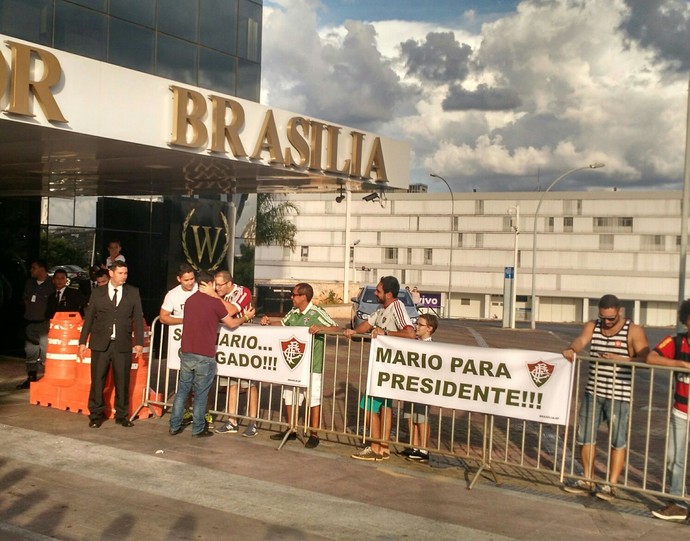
<point x="202" y="314"/>
<point x="667" y="348"/>
<point x="240" y="297"/>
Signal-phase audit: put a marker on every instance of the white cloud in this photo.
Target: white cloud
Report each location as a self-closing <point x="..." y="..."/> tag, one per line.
<point x="561" y="82"/>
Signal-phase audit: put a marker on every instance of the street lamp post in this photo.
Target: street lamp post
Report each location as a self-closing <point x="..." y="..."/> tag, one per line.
<point x="533" y="315"/>
<point x="450" y="257"/>
<point x="346" y="250"/>
<point x="516" y="230"/>
<point x="685" y="212"/>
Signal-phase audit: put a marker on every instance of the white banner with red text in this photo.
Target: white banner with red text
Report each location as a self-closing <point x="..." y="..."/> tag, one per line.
<point x="529" y="385"/>
<point x="279" y="355"/>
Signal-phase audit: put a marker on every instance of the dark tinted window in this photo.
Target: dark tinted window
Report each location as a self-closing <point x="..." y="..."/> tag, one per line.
<point x="218" y="24"/>
<point x="179" y="18"/>
<point x="370" y="296"/>
<point x="31" y="20"/>
<point x="176" y="59"/>
<point x="131" y="45"/>
<point x="79" y="30"/>
<point x="248" y="80"/>
<point x="137" y="11"/>
<point x="217" y="71"/>
<point x="405" y="297"/>
<point x="94" y="4"/>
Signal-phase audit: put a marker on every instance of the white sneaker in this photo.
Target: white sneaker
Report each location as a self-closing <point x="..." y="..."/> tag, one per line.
<point x="672" y="511"/>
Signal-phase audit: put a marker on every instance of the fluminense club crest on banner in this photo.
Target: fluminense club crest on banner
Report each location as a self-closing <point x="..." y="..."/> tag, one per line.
<point x="293" y="351"/>
<point x="540" y="372"/>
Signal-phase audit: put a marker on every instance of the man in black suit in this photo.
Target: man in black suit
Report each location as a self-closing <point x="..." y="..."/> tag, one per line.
<point x="110" y="315"/>
<point x="65" y="299"/>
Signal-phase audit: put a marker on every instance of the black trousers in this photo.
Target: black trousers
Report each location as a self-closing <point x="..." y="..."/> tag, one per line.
<point x="101" y="361"/>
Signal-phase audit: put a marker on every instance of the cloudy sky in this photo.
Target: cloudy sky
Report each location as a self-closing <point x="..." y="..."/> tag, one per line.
<point x="495" y="95"/>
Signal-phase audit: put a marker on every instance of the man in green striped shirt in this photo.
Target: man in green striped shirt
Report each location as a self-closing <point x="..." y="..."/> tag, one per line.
<point x="306" y="314"/>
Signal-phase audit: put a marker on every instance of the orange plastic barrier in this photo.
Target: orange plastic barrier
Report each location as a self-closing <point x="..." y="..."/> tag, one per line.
<point x="76" y="397"/>
<point x="60" y="361"/>
<point x="63" y="345"/>
<point x="67" y="380"/>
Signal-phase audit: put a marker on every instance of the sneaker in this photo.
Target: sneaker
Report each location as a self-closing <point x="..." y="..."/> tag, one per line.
<point x="250" y="431"/>
<point x="672" y="511"/>
<point x="367" y="454"/>
<point x="606" y="493"/>
<point x="227" y="428"/>
<point x="280" y="435"/>
<point x="580" y="487"/>
<point x="312" y="442"/>
<point x="407" y="451"/>
<point x="187" y="417"/>
<point x="209" y="420"/>
<point x="419" y="456"/>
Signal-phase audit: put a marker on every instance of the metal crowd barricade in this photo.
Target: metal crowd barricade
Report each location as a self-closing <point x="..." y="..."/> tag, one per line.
<point x="648" y="430"/>
<point x="163" y="381"/>
<point x="474" y="441"/>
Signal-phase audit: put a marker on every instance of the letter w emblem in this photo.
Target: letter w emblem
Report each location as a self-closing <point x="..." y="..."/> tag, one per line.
<point x="206" y="244"/>
<point x="210" y="241"/>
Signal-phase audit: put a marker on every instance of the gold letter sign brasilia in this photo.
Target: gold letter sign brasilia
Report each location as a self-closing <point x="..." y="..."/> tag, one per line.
<point x="306" y="137"/>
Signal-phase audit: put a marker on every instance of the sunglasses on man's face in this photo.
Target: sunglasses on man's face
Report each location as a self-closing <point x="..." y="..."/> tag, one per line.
<point x="614" y="318"/>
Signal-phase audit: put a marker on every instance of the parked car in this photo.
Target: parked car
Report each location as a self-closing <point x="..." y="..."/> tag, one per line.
<point x="365" y="304"/>
<point x="75" y="274"/>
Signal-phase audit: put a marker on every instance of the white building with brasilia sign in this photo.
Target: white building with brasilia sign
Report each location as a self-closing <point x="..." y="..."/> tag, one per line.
<point x="97" y="151"/>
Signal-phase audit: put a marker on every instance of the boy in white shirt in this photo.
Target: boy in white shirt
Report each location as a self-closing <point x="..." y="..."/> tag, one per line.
<point x="420" y="430"/>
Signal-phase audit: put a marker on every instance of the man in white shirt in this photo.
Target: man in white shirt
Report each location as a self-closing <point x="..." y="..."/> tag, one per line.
<point x="389" y="319"/>
<point x="172" y="309"/>
<point x="172" y="313"/>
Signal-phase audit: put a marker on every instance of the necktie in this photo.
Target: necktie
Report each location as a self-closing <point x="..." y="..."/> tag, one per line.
<point x="115" y="299"/>
<point x="57" y="296"/>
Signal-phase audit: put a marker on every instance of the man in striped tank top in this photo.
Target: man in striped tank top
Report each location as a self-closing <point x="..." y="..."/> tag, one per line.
<point x="607" y="395"/>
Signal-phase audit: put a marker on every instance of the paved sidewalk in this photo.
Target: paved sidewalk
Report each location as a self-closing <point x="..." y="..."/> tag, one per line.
<point x="60" y="479"/>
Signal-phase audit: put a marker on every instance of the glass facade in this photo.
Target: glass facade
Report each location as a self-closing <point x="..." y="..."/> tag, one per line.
<point x="214" y="44"/>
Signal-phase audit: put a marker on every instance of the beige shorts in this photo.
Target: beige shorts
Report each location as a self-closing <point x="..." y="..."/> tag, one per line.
<point x="244" y="383"/>
<point x="315" y="398"/>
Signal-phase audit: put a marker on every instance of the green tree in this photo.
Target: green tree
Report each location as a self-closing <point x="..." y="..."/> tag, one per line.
<point x="243" y="272"/>
<point x="62" y="251"/>
<point x="272" y="225"/>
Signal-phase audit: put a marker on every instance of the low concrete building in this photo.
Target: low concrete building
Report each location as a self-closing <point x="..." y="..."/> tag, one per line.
<point x="588" y="244"/>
